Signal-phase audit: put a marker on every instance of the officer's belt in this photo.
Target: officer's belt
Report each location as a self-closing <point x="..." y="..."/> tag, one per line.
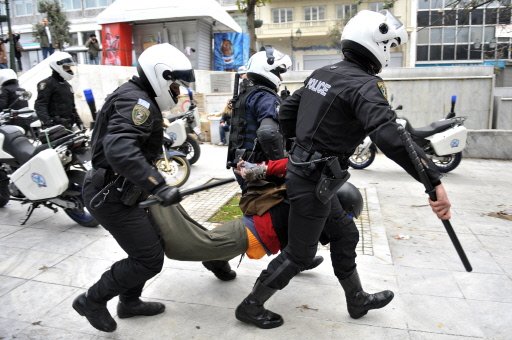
<point x="303" y="155"/>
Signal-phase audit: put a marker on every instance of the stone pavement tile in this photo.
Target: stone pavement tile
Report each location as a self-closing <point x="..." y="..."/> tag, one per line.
<point x="26" y="238"/>
<point x="105" y="248"/>
<point x="494" y="318"/>
<point x="416" y="335"/>
<point x="498" y="245"/>
<point x="6" y="230"/>
<point x="32" y="300"/>
<point x="62" y="316"/>
<point x="487" y="287"/>
<point x="75" y="271"/>
<point x="438" y="315"/>
<point x="10" y="328"/>
<point x="26" y="263"/>
<point x="8" y="283"/>
<point x="14" y="213"/>
<point x="44" y="333"/>
<point x="505" y="263"/>
<point x="422" y="281"/>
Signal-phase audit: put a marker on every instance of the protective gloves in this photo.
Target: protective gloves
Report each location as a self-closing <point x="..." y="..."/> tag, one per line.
<point x="253" y="172"/>
<point x="167" y="195"/>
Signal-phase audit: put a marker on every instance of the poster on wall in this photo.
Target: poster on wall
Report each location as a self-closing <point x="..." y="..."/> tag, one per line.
<point x="117" y="44"/>
<point x="231" y="50"/>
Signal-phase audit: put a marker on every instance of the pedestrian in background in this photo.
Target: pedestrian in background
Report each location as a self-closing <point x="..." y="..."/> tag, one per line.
<point x="45" y="38"/>
<point x="3" y="55"/>
<point x="225" y="122"/>
<point x="93" y="48"/>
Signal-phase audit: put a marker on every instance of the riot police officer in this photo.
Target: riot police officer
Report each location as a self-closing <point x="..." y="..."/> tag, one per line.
<point x="255" y="111"/>
<point x="10" y="93"/>
<point x="126" y="139"/>
<point x="329" y="116"/>
<point x="55" y="103"/>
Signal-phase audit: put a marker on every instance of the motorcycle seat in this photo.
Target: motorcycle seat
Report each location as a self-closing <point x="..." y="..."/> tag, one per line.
<point x="18" y="145"/>
<point x="433" y="128"/>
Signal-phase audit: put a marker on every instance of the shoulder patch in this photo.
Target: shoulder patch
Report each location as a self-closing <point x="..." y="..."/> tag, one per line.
<point x="140" y="114"/>
<point x="382" y="89"/>
<point x="42" y="86"/>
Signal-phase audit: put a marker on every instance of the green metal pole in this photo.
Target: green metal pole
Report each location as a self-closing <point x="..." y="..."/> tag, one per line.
<point x="11" y="36"/>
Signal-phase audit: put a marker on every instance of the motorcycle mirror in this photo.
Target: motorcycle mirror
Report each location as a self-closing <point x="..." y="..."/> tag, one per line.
<point x="25" y="95"/>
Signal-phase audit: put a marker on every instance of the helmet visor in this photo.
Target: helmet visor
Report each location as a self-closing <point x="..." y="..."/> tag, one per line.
<point x="182" y="77"/>
<point x="401" y="33"/>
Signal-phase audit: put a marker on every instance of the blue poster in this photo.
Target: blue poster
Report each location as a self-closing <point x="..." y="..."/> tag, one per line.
<point x="230" y="51"/>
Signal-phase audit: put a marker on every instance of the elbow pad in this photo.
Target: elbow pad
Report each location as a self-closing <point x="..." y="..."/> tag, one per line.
<point x="270" y="139"/>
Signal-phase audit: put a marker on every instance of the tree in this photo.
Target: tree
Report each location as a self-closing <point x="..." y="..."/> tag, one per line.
<point x="248" y="7"/>
<point x="58" y="22"/>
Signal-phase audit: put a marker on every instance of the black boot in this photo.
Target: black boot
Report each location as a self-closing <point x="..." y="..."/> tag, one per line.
<point x="127" y="309"/>
<point x="96" y="313"/>
<point x="251" y="310"/>
<point x="221" y="269"/>
<point x="317" y="260"/>
<point x="358" y="301"/>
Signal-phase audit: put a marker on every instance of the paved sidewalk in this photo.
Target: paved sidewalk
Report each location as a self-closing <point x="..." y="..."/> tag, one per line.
<point x="46" y="263"/>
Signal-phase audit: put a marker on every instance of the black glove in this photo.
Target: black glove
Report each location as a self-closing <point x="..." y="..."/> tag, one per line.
<point x="167" y="195"/>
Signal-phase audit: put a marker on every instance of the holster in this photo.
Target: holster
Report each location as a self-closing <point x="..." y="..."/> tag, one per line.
<point x="130" y="193"/>
<point x="331" y="179"/>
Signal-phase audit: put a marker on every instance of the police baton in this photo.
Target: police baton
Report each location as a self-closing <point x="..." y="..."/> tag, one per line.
<point x="152" y="201"/>
<point x="429" y="189"/>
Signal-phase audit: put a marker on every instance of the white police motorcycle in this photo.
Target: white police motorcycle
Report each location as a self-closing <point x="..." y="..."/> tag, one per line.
<point x="50" y="174"/>
<point x="443" y="142"/>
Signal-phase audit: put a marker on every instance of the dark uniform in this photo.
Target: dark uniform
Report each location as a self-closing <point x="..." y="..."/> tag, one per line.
<point x="127" y="138"/>
<point x="55" y="103"/>
<point x="329" y="116"/>
<point x="254" y="104"/>
<point x="9" y="96"/>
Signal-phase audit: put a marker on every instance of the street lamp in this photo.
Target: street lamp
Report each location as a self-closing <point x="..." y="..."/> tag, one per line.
<point x="298" y="34"/>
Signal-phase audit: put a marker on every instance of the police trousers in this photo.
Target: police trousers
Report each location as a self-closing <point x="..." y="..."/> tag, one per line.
<point x="133" y="230"/>
<point x="310" y="221"/>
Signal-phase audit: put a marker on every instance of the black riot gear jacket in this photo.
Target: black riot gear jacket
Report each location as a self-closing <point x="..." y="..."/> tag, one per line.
<point x="338" y="106"/>
<point x="10" y="96"/>
<point x="246" y="119"/>
<point x="128" y="135"/>
<point x="55" y="103"/>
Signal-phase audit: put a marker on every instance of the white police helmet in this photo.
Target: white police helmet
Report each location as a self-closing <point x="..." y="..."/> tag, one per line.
<point x="377" y="32"/>
<point x="61" y="63"/>
<point x="269" y="64"/>
<point x="166" y="69"/>
<point x="7" y="74"/>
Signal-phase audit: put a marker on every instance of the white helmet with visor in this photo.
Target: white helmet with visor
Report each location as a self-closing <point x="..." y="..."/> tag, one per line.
<point x="62" y="62"/>
<point x="269" y="64"/>
<point x="377" y="32"/>
<point x="166" y="69"/>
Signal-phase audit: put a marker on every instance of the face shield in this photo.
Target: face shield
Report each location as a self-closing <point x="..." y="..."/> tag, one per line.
<point x="396" y="26"/>
<point x="68" y="65"/>
<point x="178" y="78"/>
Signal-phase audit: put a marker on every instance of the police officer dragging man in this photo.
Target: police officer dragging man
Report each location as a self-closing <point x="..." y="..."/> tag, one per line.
<point x="126" y="140"/>
<point x="338" y="106"/>
<point x="55" y="103"/>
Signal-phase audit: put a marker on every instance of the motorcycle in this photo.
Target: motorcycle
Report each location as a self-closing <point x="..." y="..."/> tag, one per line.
<point x="50" y="174"/>
<point x="185" y="130"/>
<point x="173" y="164"/>
<point x="443" y="142"/>
<point x="24" y="117"/>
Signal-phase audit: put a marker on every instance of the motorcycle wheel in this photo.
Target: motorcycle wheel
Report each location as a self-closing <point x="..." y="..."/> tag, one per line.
<point x="177" y="172"/>
<point x="448" y="163"/>
<point x="190" y="148"/>
<point x="79" y="215"/>
<point x="360" y="160"/>
<point x="5" y="194"/>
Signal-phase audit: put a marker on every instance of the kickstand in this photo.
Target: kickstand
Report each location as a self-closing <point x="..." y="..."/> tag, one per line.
<point x="30" y="210"/>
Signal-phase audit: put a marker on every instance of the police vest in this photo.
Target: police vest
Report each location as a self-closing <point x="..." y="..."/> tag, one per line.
<point x="241" y="125"/>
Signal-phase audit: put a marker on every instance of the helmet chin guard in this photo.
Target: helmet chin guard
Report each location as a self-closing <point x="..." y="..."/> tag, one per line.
<point x="61" y="62"/>
<point x="166" y="68"/>
<point x="377" y="32"/>
<point x="269" y="64"/>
